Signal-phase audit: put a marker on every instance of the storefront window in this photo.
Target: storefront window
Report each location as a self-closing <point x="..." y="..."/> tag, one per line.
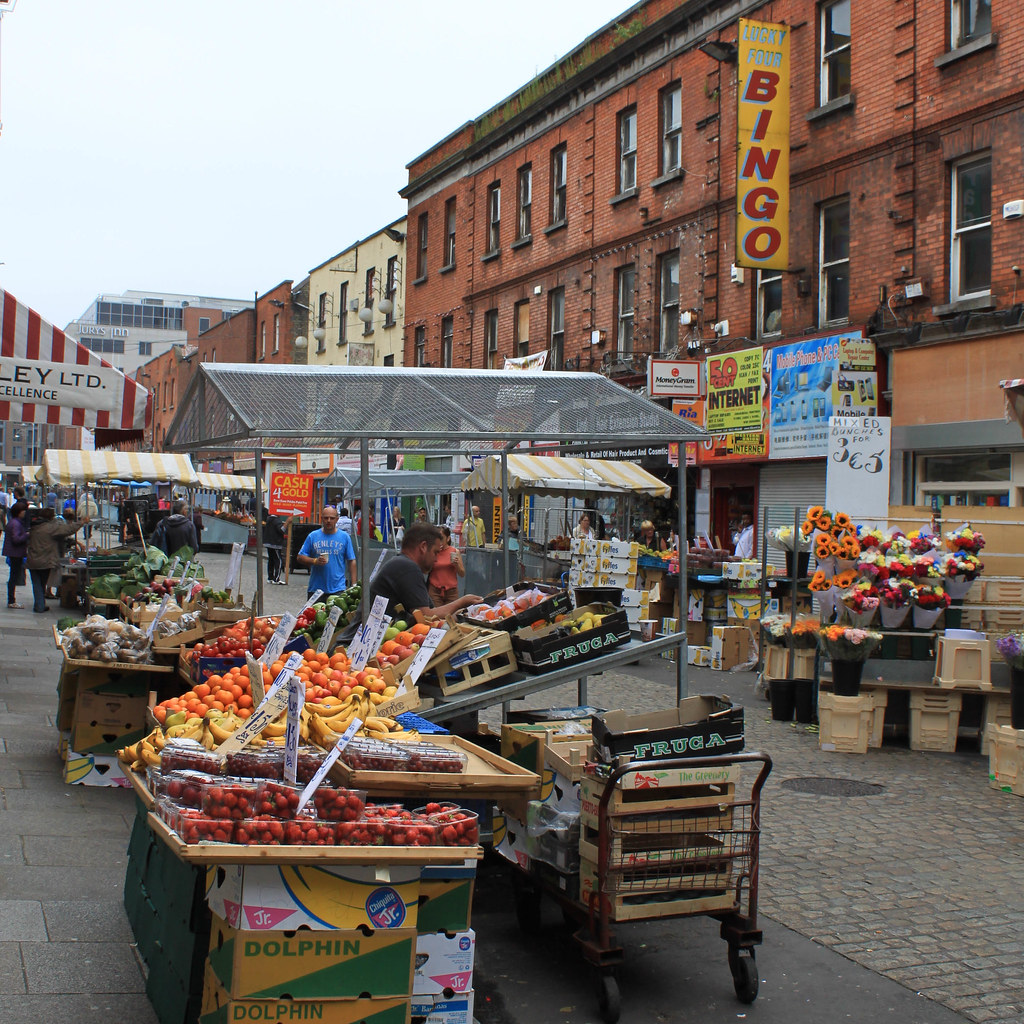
<point x="978" y="479"/>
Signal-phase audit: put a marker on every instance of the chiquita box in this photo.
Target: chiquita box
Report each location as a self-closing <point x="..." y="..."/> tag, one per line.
<point x="444" y="962"/>
<point x="287" y="896"/>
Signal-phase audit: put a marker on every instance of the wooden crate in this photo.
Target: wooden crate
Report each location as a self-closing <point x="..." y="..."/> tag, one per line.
<point x="681" y="808"/>
<point x="499" y="661"/>
<point x="1006" y="758"/>
<point x="659" y="849"/>
<point x="847" y="724"/>
<point x="963" y="664"/>
<point x="997" y="712"/>
<point x="934" y="720"/>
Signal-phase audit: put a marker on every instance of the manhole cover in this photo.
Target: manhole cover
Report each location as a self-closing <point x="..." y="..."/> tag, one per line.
<point x="820" y="785"/>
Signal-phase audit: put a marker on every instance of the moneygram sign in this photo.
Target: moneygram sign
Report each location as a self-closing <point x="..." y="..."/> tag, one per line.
<point x="669" y="378"/>
<point x="762" y="168"/>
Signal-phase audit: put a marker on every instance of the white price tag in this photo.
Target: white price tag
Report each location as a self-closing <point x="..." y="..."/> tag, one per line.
<point x="380" y="562"/>
<point x="269" y="709"/>
<point x="368" y="640"/>
<point x="321" y="773"/>
<point x="185" y="571"/>
<point x="174" y="565"/>
<point x="159" y="613"/>
<point x="423" y="656"/>
<point x="255" y="679"/>
<point x="328" y="634"/>
<point x="311" y="600"/>
<point x="233" y="579"/>
<point x="296" y="696"/>
<point x="275" y="645"/>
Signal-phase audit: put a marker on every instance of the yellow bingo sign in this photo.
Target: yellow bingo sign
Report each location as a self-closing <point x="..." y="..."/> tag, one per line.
<point x="762" y="167"/>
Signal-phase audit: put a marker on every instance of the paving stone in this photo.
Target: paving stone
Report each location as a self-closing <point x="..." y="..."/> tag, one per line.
<point x="22" y="921"/>
<point x="12" y="973"/>
<point x="83" y="920"/>
<point x="38" y="883"/>
<point x="65" y="967"/>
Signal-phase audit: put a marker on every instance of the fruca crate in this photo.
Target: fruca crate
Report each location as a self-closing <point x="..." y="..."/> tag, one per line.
<point x="480" y="658"/>
<point x="1005" y="758"/>
<point x="934" y="720"/>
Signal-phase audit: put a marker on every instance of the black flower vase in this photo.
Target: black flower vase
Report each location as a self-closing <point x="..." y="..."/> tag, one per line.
<point x="1016" y="697"/>
<point x="783" y="697"/>
<point x="803" y="559"/>
<point x="846" y="678"/>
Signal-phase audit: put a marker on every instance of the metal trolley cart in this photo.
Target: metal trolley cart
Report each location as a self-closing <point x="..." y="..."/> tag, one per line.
<point x="667" y="838"/>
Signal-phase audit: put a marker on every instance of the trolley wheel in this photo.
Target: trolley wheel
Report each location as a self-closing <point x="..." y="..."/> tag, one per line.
<point x="608" y="999"/>
<point x="527" y="909"/>
<point x="744" y="975"/>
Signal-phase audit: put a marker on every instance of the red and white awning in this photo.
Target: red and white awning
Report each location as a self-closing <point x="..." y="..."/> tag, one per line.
<point x="47" y="377"/>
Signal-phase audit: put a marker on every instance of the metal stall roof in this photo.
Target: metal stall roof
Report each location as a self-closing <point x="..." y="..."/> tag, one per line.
<point x="229" y="405"/>
<point x="398" y="481"/>
<point x="546" y="474"/>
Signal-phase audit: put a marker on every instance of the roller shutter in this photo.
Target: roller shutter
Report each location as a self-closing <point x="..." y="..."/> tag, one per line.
<point x="784" y="486"/>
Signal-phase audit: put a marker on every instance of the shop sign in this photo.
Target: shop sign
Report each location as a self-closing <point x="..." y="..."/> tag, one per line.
<point x="290" y="494"/>
<point x="762" y="161"/>
<point x="735" y="391"/>
<point x="733" y="447"/>
<point x="535" y="361"/>
<point x="674" y="378"/>
<point x="857" y="470"/>
<point x="801" y="390"/>
<point x="691" y="410"/>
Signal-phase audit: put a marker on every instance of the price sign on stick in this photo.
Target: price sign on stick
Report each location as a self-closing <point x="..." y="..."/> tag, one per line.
<point x="270" y="708"/>
<point x="296" y="696"/>
<point x="328" y="634"/>
<point x="275" y="645"/>
<point x="233" y="579"/>
<point x="174" y="565"/>
<point x="380" y="562"/>
<point x="159" y="612"/>
<point x="368" y="641"/>
<point x="255" y="678"/>
<point x="423" y="656"/>
<point x="321" y="773"/>
<point x="311" y="600"/>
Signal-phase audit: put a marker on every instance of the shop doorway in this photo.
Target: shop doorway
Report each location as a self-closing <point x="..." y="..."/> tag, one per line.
<point x="728" y="504"/>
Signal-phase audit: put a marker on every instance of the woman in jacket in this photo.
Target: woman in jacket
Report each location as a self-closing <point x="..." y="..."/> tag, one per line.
<point x="15" y="549"/>
<point x="45" y="550"/>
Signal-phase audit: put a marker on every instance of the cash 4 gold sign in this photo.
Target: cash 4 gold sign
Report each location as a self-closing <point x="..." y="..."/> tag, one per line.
<point x="762" y="169"/>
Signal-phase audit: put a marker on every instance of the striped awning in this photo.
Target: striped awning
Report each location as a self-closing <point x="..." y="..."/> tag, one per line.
<point x="47" y="377"/>
<point x="548" y="474"/>
<point x="80" y="467"/>
<point x="29" y="472"/>
<point x="225" y="482"/>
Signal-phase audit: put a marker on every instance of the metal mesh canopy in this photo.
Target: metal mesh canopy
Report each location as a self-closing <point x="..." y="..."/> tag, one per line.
<point x="397" y="481"/>
<point x="229" y="405"/>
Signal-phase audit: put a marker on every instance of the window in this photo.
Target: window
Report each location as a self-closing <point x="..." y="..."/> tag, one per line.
<point x="971" y="19"/>
<point x="624" y="293"/>
<point x="524" y="193"/>
<point x="835" y="50"/>
<point x="421" y="247"/>
<point x="556" y="328"/>
<point x="343" y="315"/>
<point x="971" y="259"/>
<point x="559" y="176"/>
<point x="204" y="324"/>
<point x="447" y="331"/>
<point x="769" y="303"/>
<point x="668" y="278"/>
<point x="321" y="310"/>
<point x="449" y="233"/>
<point x="213" y="356"/>
<point x="368" y="299"/>
<point x="173" y="382"/>
<point x="494" y="217"/>
<point x="421" y="346"/>
<point x="277" y="333"/>
<point x="145" y="348"/>
<point x="263" y="339"/>
<point x="389" y="360"/>
<point x="671" y="129"/>
<point x="834" y="263"/>
<point x="390" y="288"/>
<point x="522" y="328"/>
<point x="627" y="150"/>
<point x="491" y="338"/>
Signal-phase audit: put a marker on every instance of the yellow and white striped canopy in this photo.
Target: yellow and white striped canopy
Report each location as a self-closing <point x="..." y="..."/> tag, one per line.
<point x="225" y="482"/>
<point x="28" y="473"/>
<point x="81" y="467"/>
<point x="548" y="474"/>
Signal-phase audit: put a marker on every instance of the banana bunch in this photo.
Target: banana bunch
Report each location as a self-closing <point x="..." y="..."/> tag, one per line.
<point x="138" y="756"/>
<point x="330" y="718"/>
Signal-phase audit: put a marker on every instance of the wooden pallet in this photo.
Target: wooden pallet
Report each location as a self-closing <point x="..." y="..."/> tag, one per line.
<point x="499" y="661"/>
<point x="643" y="803"/>
<point x="634" y="849"/>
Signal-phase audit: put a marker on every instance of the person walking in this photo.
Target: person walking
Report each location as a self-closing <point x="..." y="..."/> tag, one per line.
<point x="15" y="549"/>
<point x="176" y="531"/>
<point x="330" y="556"/>
<point x="273" y="540"/>
<point x="474" y="532"/>
<point x="45" y="549"/>
<point x="443" y="581"/>
<point x="394" y="527"/>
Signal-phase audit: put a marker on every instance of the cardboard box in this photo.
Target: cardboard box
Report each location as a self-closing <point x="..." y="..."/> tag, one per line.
<point x="730" y="646"/>
<point x="105" y="722"/>
<point x="744" y="607"/>
<point x="695" y="611"/>
<point x="219" y="1007"/>
<point x="696" y="726"/>
<point x="551" y="647"/>
<point x="696" y="633"/>
<point x="618" y="548"/>
<point x="635" y="599"/>
<point x="698" y="655"/>
<point x="306" y="964"/>
<point x="444" y="963"/>
<point x="440" y="1009"/>
<point x="94" y="770"/>
<point x="260" y="897"/>
<point x="509" y="839"/>
<point x="612" y="563"/>
<point x="446" y="897"/>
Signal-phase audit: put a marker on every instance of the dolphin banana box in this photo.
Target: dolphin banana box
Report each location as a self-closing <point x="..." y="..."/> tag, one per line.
<point x="287" y="896"/>
<point x="94" y="770"/>
<point x="444" y="963"/>
<point x="307" y="964"/>
<point x="220" y="1007"/>
<point x="443" y="1009"/>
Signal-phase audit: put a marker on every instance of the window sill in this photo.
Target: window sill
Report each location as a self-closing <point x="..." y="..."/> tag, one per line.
<point x="447" y="268"/>
<point x="521" y="243"/>
<point x="840" y="103"/>
<point x="557" y="226"/>
<point x="622" y="197"/>
<point x="985" y="42"/>
<point x="388" y="324"/>
<point x="344" y="341"/>
<point x="420" y="280"/>
<point x="973" y="304"/>
<point x="666" y="179"/>
<point x="492" y="255"/>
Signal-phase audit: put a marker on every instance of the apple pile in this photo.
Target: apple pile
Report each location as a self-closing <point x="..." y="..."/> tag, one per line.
<point x="401" y="641"/>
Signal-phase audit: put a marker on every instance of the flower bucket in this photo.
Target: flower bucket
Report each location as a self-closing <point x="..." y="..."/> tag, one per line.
<point x="803" y="559"/>
<point x="846" y="676"/>
<point x="826" y="603"/>
<point x="893" y="618"/>
<point x="860" y="619"/>
<point x="957" y="587"/>
<point x="924" y="618"/>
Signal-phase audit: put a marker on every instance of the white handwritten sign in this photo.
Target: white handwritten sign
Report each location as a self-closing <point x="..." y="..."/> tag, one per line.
<point x="857" y="473"/>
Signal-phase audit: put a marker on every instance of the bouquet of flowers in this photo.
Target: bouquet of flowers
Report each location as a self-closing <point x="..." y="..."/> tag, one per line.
<point x="870" y="539"/>
<point x="899" y="564"/>
<point x="896" y="543"/>
<point x="804" y="633"/>
<point x="925" y="567"/>
<point x="1011" y="649"/>
<point x="965" y="539"/>
<point x="929" y="602"/>
<point x="848" y="643"/>
<point x="894" y="601"/>
<point x="788" y="539"/>
<point x="775" y="628"/>
<point x="872" y="564"/>
<point x="962" y="565"/>
<point x="921" y="542"/>
<point x="861" y="602"/>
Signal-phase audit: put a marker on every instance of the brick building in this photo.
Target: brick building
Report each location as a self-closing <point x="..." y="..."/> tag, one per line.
<point x="591" y="215"/>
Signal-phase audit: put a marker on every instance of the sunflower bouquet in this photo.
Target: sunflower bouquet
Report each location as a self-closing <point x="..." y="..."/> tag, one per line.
<point x="848" y="643"/>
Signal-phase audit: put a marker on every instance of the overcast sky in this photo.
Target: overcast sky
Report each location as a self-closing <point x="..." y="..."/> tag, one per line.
<point x="217" y="147"/>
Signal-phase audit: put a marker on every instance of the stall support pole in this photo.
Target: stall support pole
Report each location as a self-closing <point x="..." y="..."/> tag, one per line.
<point x="682" y="656"/>
<point x="581" y="691"/>
<point x="504" y="516"/>
<point x="364" y="528"/>
<point x="258" y="468"/>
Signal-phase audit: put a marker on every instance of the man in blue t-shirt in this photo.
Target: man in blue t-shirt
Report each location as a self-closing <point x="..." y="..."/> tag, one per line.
<point x="329" y="554"/>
